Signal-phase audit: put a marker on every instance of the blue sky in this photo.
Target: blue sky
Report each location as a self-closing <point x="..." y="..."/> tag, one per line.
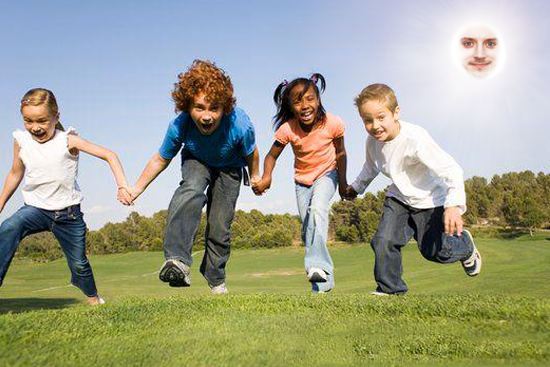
<point x="112" y="66"/>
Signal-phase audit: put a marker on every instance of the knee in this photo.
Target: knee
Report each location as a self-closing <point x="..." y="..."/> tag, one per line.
<point x="318" y="209"/>
<point x="381" y="244"/>
<point x="81" y="267"/>
<point x="11" y="226"/>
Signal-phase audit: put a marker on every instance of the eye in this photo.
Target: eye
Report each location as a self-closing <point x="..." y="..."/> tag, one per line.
<point x="468" y="44"/>
<point x="491" y="44"/>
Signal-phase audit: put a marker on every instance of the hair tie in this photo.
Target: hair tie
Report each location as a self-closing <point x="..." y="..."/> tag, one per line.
<point x="284" y="83"/>
<point x="314" y="78"/>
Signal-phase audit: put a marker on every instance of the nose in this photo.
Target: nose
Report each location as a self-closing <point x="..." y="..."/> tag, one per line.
<point x="479" y="51"/>
<point x="207" y="118"/>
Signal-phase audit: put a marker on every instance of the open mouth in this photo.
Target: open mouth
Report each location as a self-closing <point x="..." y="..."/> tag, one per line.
<point x="39" y="135"/>
<point x="307" y="116"/>
<point x="207" y="127"/>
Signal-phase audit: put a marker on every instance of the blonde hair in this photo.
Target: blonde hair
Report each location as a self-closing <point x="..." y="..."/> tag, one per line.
<point x="42" y="96"/>
<point x="378" y="92"/>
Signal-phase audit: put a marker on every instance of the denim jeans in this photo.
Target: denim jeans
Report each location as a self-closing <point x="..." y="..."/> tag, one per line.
<point x="69" y="229"/>
<point x="222" y="187"/>
<point x="398" y="224"/>
<point x="313" y="207"/>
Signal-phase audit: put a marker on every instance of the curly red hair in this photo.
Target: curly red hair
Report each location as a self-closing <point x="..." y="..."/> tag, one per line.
<point x="203" y="77"/>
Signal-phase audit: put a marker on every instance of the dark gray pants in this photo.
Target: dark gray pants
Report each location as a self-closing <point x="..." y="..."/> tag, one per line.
<point x="222" y="187"/>
<point x="398" y="224"/>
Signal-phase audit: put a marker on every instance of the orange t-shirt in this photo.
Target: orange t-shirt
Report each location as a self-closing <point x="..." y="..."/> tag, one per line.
<point x="314" y="151"/>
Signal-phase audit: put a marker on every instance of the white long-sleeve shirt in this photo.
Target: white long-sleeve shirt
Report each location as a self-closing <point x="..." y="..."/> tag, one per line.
<point x="424" y="175"/>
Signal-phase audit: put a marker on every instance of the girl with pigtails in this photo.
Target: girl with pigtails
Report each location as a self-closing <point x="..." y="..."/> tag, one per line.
<point x="317" y="139"/>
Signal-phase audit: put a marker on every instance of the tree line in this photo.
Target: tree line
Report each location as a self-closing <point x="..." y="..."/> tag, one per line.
<point x="515" y="200"/>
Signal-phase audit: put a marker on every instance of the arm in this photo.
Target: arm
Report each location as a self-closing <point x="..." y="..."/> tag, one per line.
<point x="75" y="142"/>
<point x="253" y="161"/>
<point x="367" y="174"/>
<point x="154" y="167"/>
<point x="341" y="165"/>
<point x="445" y="167"/>
<point x="15" y="175"/>
<point x="269" y="164"/>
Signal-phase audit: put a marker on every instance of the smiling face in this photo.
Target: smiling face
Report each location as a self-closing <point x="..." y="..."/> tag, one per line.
<point x="305" y="108"/>
<point x="38" y="122"/>
<point x="206" y="116"/>
<point x="478" y="50"/>
<point x="380" y="122"/>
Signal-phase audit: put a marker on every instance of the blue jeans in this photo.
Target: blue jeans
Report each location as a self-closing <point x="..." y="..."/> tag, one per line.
<point x="399" y="223"/>
<point x="222" y="187"/>
<point x="313" y="207"/>
<point x="67" y="226"/>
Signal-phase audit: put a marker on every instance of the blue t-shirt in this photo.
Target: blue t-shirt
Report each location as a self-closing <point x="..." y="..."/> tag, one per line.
<point x="227" y="146"/>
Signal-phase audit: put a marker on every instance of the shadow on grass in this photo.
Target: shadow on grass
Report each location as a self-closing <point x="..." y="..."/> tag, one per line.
<point x="20" y="305"/>
<point x="510" y="234"/>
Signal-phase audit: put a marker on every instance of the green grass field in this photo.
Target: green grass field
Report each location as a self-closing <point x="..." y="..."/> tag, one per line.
<point x="501" y="317"/>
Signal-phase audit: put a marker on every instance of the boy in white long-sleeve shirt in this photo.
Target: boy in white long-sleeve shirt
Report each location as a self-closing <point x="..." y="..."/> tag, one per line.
<point x="426" y="199"/>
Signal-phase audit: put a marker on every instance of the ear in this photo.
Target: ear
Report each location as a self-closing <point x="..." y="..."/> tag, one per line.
<point x="397" y="113"/>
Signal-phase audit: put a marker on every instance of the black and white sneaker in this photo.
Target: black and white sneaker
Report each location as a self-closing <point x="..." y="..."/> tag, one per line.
<point x="472" y="266"/>
<point x="316" y="275"/>
<point x="175" y="273"/>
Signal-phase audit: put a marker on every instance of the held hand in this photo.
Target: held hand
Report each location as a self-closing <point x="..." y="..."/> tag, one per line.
<point x="124" y="196"/>
<point x="347" y="192"/>
<point x="254" y="179"/>
<point x="260" y="187"/>
<point x="452" y="220"/>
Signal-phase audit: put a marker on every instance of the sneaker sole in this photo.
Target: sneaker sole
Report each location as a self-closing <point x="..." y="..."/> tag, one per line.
<point x="317" y="278"/>
<point x="172" y="275"/>
<point x="479" y="261"/>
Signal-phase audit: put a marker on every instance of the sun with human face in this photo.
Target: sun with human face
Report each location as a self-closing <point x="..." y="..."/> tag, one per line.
<point x="478" y="49"/>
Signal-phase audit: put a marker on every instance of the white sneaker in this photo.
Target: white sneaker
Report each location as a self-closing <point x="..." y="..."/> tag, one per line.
<point x="472" y="266"/>
<point x="219" y="289"/>
<point x="316" y="275"/>
<point x="101" y="300"/>
<point x="379" y="294"/>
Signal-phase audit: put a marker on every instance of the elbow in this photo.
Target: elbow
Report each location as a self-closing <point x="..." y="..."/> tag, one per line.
<point x="111" y="156"/>
<point x="160" y="161"/>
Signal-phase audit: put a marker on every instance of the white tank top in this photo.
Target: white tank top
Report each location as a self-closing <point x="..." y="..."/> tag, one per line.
<point x="50" y="171"/>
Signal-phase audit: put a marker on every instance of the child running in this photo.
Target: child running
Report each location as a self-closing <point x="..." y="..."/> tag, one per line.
<point x="317" y="139"/>
<point x="426" y="199"/>
<point x="218" y="141"/>
<point x="46" y="155"/>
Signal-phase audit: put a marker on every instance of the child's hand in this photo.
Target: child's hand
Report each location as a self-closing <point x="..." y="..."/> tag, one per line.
<point x="124" y="196"/>
<point x="261" y="186"/>
<point x="452" y="220"/>
<point x="347" y="192"/>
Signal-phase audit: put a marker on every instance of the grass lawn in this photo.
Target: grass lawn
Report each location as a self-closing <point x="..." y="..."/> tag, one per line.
<point x="501" y="317"/>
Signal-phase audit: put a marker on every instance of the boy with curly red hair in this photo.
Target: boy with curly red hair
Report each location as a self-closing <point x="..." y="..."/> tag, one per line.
<point x="218" y="141"/>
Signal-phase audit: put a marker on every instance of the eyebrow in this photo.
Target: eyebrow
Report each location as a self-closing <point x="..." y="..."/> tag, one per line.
<point x="475" y="39"/>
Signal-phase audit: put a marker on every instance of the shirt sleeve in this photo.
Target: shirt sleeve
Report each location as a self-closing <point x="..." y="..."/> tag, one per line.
<point x="368" y="173"/>
<point x="445" y="167"/>
<point x="19" y="137"/>
<point x="338" y="128"/>
<point x="282" y="134"/>
<point x="249" y="141"/>
<point x="172" y="141"/>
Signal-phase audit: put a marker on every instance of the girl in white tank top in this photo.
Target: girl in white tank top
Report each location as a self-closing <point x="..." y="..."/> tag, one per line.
<point x="46" y="156"/>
